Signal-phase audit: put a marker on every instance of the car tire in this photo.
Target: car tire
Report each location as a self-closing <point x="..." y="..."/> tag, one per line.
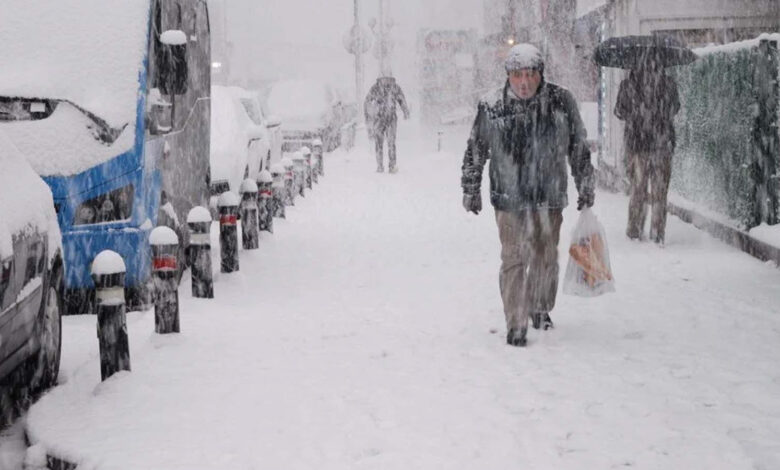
<point x="46" y="365"/>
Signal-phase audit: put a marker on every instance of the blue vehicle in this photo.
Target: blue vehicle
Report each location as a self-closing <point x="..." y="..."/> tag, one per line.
<point x="109" y="100"/>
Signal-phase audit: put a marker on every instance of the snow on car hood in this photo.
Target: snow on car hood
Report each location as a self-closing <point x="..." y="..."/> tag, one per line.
<point x="63" y="144"/>
<point x="26" y="203"/>
<point x="90" y="52"/>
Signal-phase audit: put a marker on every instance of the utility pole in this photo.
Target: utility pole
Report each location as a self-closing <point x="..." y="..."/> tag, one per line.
<point x="358" y="62"/>
<point x="382" y="37"/>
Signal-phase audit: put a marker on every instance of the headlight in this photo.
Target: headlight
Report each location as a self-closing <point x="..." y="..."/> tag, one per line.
<point x="115" y="206"/>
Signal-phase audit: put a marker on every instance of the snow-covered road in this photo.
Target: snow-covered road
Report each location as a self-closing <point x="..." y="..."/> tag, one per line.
<point x="368" y="333"/>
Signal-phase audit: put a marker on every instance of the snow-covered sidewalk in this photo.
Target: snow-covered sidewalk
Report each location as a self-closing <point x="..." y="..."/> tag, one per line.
<point x="368" y="333"/>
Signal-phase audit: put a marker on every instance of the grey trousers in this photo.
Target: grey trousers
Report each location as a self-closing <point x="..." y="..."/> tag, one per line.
<point x="529" y="263"/>
<point x="386" y="129"/>
<point x="655" y="169"/>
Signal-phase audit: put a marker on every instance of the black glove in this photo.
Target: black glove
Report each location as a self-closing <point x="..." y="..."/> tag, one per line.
<point x="472" y="203"/>
<point x="586" y="199"/>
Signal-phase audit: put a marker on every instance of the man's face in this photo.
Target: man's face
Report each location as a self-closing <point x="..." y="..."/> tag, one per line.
<point x="525" y="82"/>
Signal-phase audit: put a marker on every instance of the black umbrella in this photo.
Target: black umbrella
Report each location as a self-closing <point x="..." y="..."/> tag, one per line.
<point x="631" y="52"/>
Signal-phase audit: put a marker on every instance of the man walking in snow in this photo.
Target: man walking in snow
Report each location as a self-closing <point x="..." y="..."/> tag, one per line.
<point x="528" y="129"/>
<point x="381" y="118"/>
<point x="648" y="101"/>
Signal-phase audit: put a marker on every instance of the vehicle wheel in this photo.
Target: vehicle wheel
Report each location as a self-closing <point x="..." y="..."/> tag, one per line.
<point x="47" y="362"/>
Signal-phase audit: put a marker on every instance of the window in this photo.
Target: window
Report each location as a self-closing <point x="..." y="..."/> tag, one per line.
<point x="6" y="269"/>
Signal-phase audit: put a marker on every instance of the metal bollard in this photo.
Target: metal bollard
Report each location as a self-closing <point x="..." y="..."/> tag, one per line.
<point x="250" y="233"/>
<point x="289" y="183"/>
<point x="265" y="201"/>
<point x="165" y="246"/>
<point x="278" y="190"/>
<point x="306" y="151"/>
<point x="439" y="145"/>
<point x="299" y="172"/>
<point x="108" y="273"/>
<point x="199" y="222"/>
<point x="227" y="205"/>
<point x="319" y="160"/>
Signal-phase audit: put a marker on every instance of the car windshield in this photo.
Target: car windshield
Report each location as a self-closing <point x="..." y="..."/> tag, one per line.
<point x="253" y="110"/>
<point x="33" y="109"/>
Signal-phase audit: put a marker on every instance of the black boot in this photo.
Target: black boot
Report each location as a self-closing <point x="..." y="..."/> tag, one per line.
<point x="542" y="320"/>
<point x="516" y="337"/>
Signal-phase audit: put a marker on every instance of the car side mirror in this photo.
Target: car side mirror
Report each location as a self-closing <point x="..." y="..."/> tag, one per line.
<point x="172" y="70"/>
<point x="159" y="116"/>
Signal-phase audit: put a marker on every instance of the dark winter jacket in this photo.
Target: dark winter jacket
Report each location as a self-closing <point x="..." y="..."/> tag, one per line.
<point x="380" y="105"/>
<point x="648" y="102"/>
<point x="528" y="142"/>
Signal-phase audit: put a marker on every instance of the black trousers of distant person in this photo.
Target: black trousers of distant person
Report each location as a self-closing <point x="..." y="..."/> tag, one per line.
<point x="385" y="129"/>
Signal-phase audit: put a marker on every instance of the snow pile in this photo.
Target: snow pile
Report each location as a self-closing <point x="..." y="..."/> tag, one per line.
<point x="173" y="38"/>
<point x="198" y="214"/>
<point x="26" y="203"/>
<point x="736" y="46"/>
<point x="227" y="199"/>
<point x="163" y="236"/>
<point x="248" y="186"/>
<point x="87" y="51"/>
<point x="108" y="262"/>
<point x="769" y="234"/>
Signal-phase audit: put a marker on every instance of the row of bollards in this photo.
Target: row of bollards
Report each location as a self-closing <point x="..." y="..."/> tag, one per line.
<point x="259" y="202"/>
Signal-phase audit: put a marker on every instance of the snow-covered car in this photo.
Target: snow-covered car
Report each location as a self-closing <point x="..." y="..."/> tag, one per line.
<point x="309" y="110"/>
<point x="272" y="124"/>
<point x="240" y="148"/>
<point x="31" y="276"/>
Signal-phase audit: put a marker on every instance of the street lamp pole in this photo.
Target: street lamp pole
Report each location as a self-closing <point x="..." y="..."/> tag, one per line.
<point x="382" y="38"/>
<point x="358" y="63"/>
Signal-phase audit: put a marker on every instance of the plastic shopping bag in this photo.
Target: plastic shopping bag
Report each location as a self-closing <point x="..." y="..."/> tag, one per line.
<point x="588" y="273"/>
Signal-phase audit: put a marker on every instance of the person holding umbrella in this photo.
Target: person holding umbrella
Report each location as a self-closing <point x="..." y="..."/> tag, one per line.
<point x="529" y="128"/>
<point x="647" y="101"/>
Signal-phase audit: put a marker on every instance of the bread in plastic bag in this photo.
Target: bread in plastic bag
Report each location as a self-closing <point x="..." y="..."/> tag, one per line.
<point x="588" y="273"/>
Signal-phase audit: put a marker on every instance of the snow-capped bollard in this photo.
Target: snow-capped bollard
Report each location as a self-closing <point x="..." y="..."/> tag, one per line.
<point x="306" y="151"/>
<point x="265" y="201"/>
<point x="299" y="172"/>
<point x="289" y="182"/>
<point x="227" y="205"/>
<point x="108" y="273"/>
<point x="278" y="190"/>
<point x="165" y="245"/>
<point x="319" y="160"/>
<point x="250" y="234"/>
<point x="199" y="222"/>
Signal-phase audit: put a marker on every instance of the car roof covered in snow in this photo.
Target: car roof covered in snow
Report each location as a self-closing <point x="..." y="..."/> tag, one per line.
<point x="26" y="203"/>
<point x="87" y="51"/>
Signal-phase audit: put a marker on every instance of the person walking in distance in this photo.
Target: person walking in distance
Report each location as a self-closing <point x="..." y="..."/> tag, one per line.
<point x="528" y="129"/>
<point x="648" y="101"/>
<point x="382" y="120"/>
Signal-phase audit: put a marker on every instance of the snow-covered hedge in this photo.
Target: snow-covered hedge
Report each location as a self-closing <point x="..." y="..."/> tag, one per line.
<point x="727" y="155"/>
